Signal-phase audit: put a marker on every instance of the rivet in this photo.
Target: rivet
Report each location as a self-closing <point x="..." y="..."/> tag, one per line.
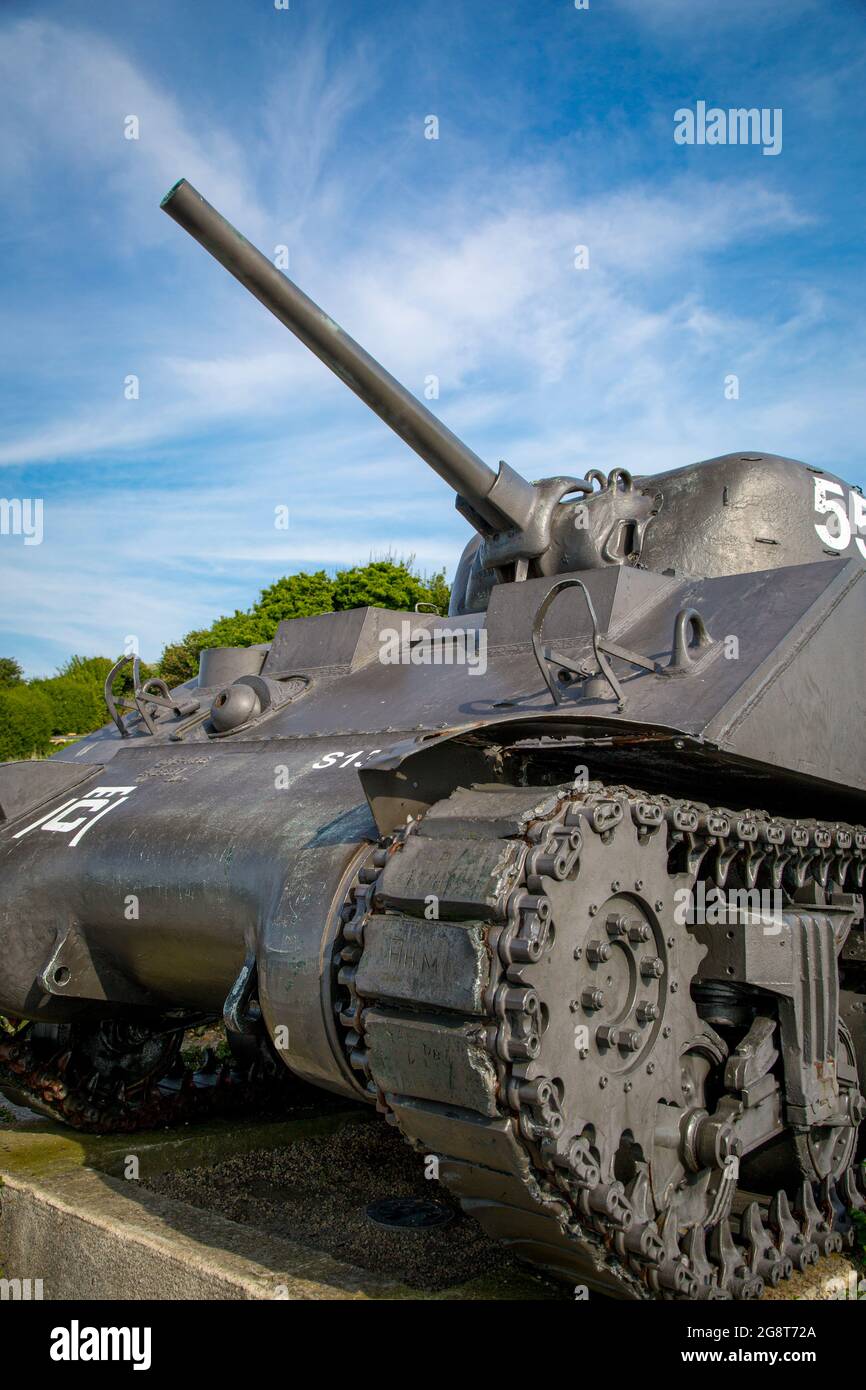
<point x="650" y="1068"/>
<point x="593" y="909"/>
<point x="602" y="1081"/>
<point x="638" y="883"/>
<point x="615" y="886"/>
<point x="627" y="1087"/>
<point x="674" y="986"/>
<point x="666" y="1032"/>
<point x="659" y="904"/>
<point x="578" y="952"/>
<point x="672" y="941"/>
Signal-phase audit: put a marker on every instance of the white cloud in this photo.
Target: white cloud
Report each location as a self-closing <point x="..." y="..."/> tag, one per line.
<point x="75" y="90"/>
<point x="554" y="368"/>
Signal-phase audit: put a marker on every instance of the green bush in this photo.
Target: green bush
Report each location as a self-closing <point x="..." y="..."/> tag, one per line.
<point x="26" y="719"/>
<point x="381" y="584"/>
<point x="387" y="583"/>
<point x="76" y="692"/>
<point x="179" y="661"/>
<point x="294" y="596"/>
<point x="10" y="672"/>
<point x="77" y="706"/>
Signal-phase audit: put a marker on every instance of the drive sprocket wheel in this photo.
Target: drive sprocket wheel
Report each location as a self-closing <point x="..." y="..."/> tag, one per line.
<point x="514" y="981"/>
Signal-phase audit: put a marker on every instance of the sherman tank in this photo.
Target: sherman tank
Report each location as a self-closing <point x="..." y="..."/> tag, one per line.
<point x="567" y="882"/>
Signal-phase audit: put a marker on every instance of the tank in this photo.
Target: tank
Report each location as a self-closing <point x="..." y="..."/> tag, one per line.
<point x="567" y="882"/>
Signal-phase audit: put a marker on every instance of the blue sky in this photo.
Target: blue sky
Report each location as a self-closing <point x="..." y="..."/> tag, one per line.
<point x="452" y="257"/>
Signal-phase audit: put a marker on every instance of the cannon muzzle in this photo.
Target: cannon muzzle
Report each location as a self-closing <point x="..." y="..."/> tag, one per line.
<point x="495" y="501"/>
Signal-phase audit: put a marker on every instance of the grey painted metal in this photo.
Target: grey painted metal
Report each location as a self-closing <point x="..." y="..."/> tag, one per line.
<point x="711" y="650"/>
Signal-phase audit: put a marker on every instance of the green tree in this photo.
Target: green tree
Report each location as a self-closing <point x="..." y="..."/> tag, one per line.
<point x="295" y="596"/>
<point x="86" y="668"/>
<point x="77" y="692"/>
<point x="77" y="706"/>
<point x="439" y="590"/>
<point x="179" y="661"/>
<point x="386" y="583"/>
<point x="382" y="584"/>
<point x="26" y="718"/>
<point x="10" y="672"/>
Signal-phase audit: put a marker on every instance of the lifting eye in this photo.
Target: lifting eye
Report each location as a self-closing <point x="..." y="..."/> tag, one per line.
<point x="623" y="540"/>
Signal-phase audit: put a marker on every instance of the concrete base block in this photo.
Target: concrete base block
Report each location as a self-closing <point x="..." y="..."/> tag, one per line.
<point x="69" y="1220"/>
<point x="86" y="1235"/>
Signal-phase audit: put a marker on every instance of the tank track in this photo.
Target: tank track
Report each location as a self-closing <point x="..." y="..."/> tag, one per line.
<point x="78" y="1078"/>
<point x="442" y="941"/>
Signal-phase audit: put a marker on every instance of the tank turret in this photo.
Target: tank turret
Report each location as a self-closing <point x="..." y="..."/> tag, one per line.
<point x="747" y="511"/>
<point x="571" y="888"/>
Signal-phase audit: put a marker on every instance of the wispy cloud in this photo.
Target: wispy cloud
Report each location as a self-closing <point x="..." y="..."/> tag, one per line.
<point x="454" y="265"/>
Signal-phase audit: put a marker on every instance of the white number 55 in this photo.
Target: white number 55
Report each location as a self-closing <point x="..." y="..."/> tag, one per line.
<point x="847" y="520"/>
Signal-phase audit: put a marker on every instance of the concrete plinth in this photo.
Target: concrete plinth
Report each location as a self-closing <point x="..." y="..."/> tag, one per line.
<point x="75" y="1215"/>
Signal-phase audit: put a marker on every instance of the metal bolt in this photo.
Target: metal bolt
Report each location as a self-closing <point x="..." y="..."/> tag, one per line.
<point x="628" y="1038"/>
<point x="616" y="925"/>
<point x="593" y="909"/>
<point x="574" y="1006"/>
<point x="583" y="1053"/>
<point x="650" y="1068"/>
<point x="578" y="952"/>
<point x="592" y="999"/>
<point x="627" y="1087"/>
<point x="639" y="931"/>
<point x="647" y="1012"/>
<point x="651" y="968"/>
<point x="602" y="1081"/>
<point x="674" y="986"/>
<point x="598" y="951"/>
<point x="638" y="883"/>
<point x="666" y="1032"/>
<point x="659" y="904"/>
<point x="672" y="941"/>
<point x="615" y="886"/>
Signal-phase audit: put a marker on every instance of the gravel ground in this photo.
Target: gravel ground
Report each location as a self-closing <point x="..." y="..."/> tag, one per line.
<point x="316" y="1191"/>
<point x="830" y="1278"/>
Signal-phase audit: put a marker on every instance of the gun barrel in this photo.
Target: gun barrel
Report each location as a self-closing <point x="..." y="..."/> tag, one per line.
<point x="462" y="469"/>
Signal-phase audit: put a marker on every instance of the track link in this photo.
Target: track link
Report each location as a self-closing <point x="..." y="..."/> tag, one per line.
<point x="445" y="1003"/>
